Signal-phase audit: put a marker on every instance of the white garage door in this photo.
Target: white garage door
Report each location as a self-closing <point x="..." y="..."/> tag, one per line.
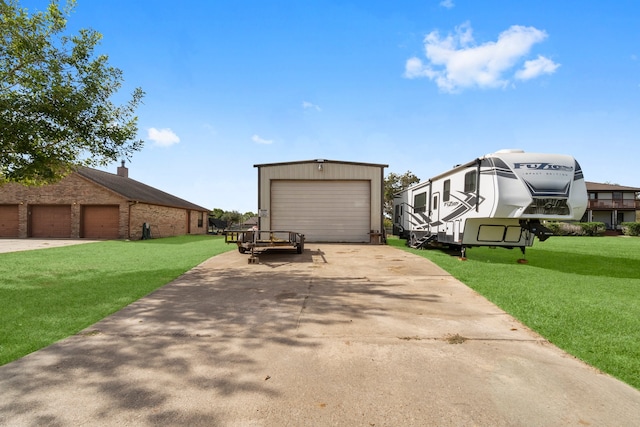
<point x="324" y="211"/>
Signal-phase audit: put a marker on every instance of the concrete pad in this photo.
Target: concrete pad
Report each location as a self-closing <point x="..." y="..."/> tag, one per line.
<point x="18" y="245"/>
<point x="340" y="335"/>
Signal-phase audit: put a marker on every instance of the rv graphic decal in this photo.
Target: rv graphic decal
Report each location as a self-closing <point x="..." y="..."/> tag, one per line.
<point x="421" y="221"/>
<point x="467" y="204"/>
<point x="578" y="173"/>
<point x="543" y="166"/>
<point x="497" y="167"/>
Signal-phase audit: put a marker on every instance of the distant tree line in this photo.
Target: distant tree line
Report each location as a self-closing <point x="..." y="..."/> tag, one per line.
<point x="230" y="218"/>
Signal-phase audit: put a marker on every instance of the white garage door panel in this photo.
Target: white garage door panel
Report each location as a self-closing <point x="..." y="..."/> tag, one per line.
<point x="324" y="211"/>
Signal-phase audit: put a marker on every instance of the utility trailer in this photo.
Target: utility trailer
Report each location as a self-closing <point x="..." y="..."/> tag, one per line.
<point x="252" y="240"/>
<point x="500" y="199"/>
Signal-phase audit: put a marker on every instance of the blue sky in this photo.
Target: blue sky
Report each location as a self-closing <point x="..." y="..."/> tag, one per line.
<point x="417" y="85"/>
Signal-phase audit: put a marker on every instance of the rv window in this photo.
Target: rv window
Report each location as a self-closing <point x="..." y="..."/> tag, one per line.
<point x="470" y="182"/>
<point x="420" y="202"/>
<point x="435" y="202"/>
<point x="447" y="190"/>
<point x="397" y="217"/>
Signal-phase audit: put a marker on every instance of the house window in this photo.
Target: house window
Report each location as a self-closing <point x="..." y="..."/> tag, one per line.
<point x="200" y="219"/>
<point x="593" y="196"/>
<point x="470" y="182"/>
<point x="420" y="202"/>
<point x="617" y="195"/>
<point x="447" y="190"/>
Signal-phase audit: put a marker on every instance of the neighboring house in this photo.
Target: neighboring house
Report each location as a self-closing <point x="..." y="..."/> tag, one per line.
<point x="96" y="205"/>
<point x="612" y="204"/>
<point x="251" y="222"/>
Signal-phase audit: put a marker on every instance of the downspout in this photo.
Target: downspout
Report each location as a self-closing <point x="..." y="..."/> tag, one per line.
<point x="129" y="220"/>
<point x="131" y="204"/>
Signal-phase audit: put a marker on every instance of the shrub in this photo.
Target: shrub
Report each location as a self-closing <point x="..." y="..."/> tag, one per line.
<point x="576" y="228"/>
<point x="631" y="228"/>
<point x="592" y="228"/>
<point x="554" y="227"/>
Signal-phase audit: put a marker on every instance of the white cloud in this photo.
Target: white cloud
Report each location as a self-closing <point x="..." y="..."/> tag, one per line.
<point x="163" y="137"/>
<point x="308" y="105"/>
<point x="536" y="67"/>
<point x="258" y="140"/>
<point x="447" y="4"/>
<point x="456" y="62"/>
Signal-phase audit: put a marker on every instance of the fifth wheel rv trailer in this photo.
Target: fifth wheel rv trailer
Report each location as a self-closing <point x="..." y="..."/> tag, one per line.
<point x="498" y="199"/>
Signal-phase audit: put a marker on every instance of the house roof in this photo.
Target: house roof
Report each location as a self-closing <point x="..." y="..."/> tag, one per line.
<point x="596" y="186"/>
<point x="136" y="191"/>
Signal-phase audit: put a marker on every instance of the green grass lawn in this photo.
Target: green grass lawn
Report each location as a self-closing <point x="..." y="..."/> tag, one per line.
<point x="580" y="293"/>
<point x="49" y="294"/>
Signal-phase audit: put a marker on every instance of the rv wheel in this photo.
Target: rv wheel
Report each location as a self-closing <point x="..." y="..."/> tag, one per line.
<point x="242" y="250"/>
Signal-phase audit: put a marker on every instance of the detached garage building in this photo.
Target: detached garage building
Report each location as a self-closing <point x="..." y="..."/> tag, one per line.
<point x="326" y="200"/>
<point x="94" y="204"/>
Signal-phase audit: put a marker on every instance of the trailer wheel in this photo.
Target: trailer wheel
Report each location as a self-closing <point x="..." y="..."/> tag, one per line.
<point x="242" y="249"/>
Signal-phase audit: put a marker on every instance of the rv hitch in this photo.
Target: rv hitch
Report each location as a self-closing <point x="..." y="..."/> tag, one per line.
<point x="539" y="230"/>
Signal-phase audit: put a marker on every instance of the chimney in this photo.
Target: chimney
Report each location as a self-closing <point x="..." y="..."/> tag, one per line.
<point x="123" y="171"/>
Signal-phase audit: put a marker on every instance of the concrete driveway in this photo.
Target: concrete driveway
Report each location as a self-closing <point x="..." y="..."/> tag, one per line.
<point x="17" y="245"/>
<point x="340" y="335"/>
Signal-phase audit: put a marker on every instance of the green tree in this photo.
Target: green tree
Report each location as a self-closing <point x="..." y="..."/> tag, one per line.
<point x="56" y="111"/>
<point x="393" y="184"/>
<point x="248" y="215"/>
<point x="216" y="213"/>
<point x="232" y="217"/>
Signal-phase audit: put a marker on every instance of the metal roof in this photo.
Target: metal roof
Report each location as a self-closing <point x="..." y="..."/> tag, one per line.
<point x="321" y="161"/>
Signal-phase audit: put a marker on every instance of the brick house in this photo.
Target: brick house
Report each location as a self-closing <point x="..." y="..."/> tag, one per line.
<point x="612" y="204"/>
<point x="96" y="205"/>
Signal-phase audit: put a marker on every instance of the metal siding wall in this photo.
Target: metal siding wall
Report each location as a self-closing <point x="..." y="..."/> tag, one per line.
<point x="323" y="210"/>
<point x="330" y="171"/>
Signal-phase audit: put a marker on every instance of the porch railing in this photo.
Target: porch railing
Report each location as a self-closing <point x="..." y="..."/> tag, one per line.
<point x="614" y="204"/>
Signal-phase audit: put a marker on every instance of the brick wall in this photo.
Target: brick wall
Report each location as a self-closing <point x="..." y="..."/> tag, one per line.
<point x="76" y="191"/>
<point x="164" y="221"/>
<point x="72" y="190"/>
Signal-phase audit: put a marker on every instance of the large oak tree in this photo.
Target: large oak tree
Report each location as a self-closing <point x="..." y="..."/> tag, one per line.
<point x="56" y="109"/>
